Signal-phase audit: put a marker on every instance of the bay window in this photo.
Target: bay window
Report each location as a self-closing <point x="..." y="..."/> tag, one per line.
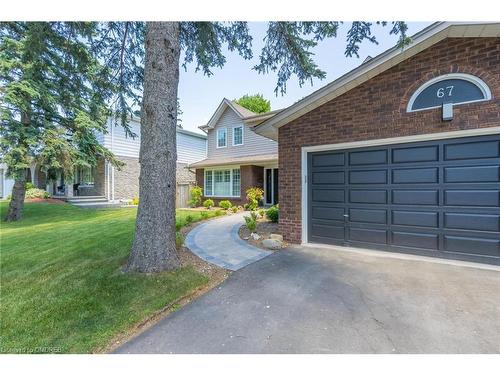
<point x="222" y="183"/>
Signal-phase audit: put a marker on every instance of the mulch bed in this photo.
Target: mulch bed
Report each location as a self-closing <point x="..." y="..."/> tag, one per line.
<point x="264" y="229"/>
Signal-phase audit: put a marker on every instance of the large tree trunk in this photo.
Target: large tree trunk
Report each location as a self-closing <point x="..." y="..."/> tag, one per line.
<point x="16" y="204"/>
<point x="153" y="249"/>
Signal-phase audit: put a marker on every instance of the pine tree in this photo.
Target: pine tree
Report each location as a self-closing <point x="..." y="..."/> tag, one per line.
<point x="53" y="100"/>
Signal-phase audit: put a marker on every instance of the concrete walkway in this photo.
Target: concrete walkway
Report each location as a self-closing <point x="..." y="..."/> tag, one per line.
<point x="217" y="241"/>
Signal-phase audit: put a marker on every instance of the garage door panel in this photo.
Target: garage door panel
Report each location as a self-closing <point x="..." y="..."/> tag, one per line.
<point x="328" y="195"/>
<point x="368" y="177"/>
<point x="358" y="215"/>
<point x="368" y="157"/>
<point x="415" y="176"/>
<point x="415" y="154"/>
<point x="328" y="231"/>
<point x="438" y="198"/>
<point x="377" y="236"/>
<point x="428" y="241"/>
<point x="328" y="213"/>
<point x="416" y="197"/>
<point x="331" y="178"/>
<point x="468" y="221"/>
<point x="368" y="196"/>
<point x="485" y="198"/>
<point x="472" y="150"/>
<point x="328" y="160"/>
<point x="480" y="246"/>
<point x="415" y="218"/>
<point x="487" y="173"/>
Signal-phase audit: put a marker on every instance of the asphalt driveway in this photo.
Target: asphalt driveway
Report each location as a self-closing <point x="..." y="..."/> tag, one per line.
<point x="307" y="300"/>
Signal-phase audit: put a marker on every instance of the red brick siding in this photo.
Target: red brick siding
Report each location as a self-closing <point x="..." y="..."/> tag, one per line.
<point x="251" y="175"/>
<point x="377" y="109"/>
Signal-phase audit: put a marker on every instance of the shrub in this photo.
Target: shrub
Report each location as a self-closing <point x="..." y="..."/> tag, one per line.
<point x="234" y="209"/>
<point x="254" y="196"/>
<point x="225" y="204"/>
<point x="273" y="214"/>
<point x="251" y="221"/>
<point x="262" y="212"/>
<point x="29" y="186"/>
<point x="135" y="201"/>
<point x="36" y="193"/>
<point x="196" y="192"/>
<point x="178" y="225"/>
<point x="179" y="240"/>
<point x="189" y="219"/>
<point x="219" y="213"/>
<point x="204" y="215"/>
<point x="208" y="203"/>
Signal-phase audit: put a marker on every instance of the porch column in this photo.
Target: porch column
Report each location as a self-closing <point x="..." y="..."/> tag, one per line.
<point x="34" y="179"/>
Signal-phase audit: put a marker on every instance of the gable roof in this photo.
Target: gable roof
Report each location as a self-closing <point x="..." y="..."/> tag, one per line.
<point x="372" y="67"/>
<point x="240" y="111"/>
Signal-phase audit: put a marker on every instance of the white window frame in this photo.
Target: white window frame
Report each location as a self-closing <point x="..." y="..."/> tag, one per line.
<point x="212" y="170"/>
<point x="242" y="135"/>
<point x="217" y="138"/>
<point x="465" y="77"/>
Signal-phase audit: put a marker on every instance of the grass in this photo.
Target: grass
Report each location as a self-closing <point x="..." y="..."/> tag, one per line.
<point x="61" y="285"/>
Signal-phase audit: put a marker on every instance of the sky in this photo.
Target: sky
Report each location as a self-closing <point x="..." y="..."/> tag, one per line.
<point x="200" y="95"/>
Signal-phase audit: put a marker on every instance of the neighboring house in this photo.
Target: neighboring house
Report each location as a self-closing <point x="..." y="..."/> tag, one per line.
<point x="6" y="183"/>
<point x="401" y="153"/>
<point x="113" y="184"/>
<point x="237" y="157"/>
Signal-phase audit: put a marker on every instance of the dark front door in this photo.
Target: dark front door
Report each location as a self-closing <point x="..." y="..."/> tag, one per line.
<point x="438" y="198"/>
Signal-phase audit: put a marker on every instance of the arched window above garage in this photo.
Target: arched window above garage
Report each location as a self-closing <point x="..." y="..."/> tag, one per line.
<point x="455" y="88"/>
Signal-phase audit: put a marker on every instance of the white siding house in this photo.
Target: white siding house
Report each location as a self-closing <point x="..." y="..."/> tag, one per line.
<point x="6" y="183"/>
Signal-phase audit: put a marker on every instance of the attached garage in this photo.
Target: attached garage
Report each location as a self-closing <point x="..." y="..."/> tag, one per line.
<point x="402" y="153"/>
<point x="436" y="198"/>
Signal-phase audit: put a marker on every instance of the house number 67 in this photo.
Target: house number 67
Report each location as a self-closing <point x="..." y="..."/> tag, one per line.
<point x="442" y="91"/>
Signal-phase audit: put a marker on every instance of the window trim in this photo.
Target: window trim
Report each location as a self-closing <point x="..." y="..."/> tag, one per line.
<point x="217" y="138"/>
<point x="478" y="82"/>
<point x="242" y="134"/>
<point x="230" y="168"/>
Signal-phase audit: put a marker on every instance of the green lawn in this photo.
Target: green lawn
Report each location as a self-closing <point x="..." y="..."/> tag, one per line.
<point x="61" y="284"/>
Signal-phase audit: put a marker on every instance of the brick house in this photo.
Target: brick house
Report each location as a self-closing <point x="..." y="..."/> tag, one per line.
<point x="237" y="157"/>
<point x="402" y="153"/>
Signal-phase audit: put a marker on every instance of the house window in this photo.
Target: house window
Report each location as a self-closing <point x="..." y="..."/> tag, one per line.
<point x="238" y="136"/>
<point x="222" y="183"/>
<point x="222" y="138"/>
<point x="236" y="182"/>
<point x="84" y="175"/>
<point x="208" y="183"/>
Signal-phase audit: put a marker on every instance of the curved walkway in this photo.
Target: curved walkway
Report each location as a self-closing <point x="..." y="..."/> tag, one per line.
<point x="217" y="241"/>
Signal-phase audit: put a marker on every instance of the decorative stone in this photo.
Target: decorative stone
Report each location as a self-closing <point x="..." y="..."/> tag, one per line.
<point x="255" y="236"/>
<point x="277" y="237"/>
<point x="269" y="243"/>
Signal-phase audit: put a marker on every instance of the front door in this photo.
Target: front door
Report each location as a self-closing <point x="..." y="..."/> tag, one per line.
<point x="271" y="186"/>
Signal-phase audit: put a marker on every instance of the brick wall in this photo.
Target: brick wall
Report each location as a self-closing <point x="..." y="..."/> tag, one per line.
<point x="377" y="109"/>
<point x="251" y="175"/>
<point x="127" y="179"/>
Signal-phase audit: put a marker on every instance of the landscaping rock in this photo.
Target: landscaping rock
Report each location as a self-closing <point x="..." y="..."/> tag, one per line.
<point x="277" y="237"/>
<point x="255" y="236"/>
<point x="270" y="243"/>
